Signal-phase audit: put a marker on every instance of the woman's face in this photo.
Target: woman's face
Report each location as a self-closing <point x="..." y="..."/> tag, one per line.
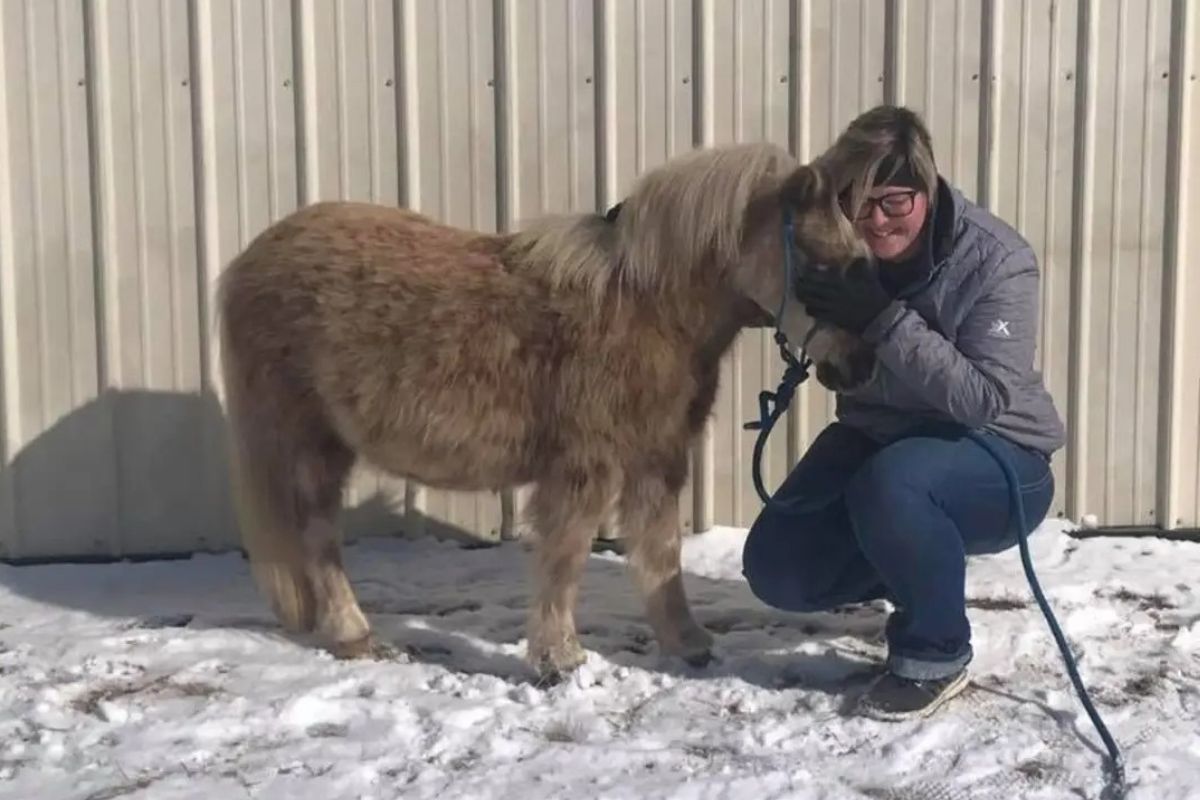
<point x="890" y="221"/>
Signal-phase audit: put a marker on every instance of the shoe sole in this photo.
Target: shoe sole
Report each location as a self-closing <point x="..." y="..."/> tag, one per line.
<point x="949" y="693"/>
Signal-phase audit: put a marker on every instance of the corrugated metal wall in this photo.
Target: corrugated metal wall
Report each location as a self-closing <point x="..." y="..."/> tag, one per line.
<point x="143" y="142"/>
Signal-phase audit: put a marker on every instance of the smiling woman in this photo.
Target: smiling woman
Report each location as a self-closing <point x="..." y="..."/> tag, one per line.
<point x="892" y="497"/>
<point x="891" y="217"/>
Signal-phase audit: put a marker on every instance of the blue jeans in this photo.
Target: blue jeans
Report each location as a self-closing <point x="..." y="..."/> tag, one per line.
<point x="895" y="520"/>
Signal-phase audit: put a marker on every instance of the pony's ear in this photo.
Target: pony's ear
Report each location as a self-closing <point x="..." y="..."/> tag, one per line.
<point x="805" y="187"/>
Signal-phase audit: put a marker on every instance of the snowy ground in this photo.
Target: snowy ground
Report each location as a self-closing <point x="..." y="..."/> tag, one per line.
<point x="169" y="680"/>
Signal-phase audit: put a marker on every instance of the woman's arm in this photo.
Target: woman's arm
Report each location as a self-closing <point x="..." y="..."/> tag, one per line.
<point x="972" y="379"/>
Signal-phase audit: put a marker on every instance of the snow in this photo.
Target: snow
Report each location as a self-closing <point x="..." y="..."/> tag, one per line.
<point x="170" y="680"/>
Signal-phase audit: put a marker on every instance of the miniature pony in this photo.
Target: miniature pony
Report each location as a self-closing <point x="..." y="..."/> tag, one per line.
<point x="580" y="356"/>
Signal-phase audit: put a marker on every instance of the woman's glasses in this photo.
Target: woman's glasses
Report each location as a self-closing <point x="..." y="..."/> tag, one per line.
<point x="896" y="204"/>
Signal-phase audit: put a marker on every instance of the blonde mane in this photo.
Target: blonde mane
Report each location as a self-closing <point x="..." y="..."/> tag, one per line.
<point x="688" y="213"/>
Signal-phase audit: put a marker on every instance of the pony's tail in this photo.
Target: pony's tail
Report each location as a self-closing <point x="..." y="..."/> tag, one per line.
<point x="266" y="497"/>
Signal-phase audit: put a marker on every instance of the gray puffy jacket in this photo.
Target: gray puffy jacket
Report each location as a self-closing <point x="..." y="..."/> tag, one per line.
<point x="958" y="344"/>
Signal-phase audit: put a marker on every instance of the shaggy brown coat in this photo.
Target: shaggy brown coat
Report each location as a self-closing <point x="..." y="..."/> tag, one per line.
<point x="580" y="356"/>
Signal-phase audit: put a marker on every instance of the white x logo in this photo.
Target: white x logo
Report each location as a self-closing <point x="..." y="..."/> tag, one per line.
<point x="1000" y="328"/>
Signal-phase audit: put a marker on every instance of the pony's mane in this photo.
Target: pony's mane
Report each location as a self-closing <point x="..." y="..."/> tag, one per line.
<point x="687" y="213"/>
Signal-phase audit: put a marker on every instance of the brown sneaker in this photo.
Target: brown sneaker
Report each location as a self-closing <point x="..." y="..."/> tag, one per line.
<point x="893" y="698"/>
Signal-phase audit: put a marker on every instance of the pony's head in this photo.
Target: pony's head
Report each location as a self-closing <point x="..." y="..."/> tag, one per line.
<point x="724" y="214"/>
<point x="796" y="223"/>
<point x="712" y="221"/>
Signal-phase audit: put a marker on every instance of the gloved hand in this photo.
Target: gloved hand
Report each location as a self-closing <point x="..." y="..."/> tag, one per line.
<point x="849" y="300"/>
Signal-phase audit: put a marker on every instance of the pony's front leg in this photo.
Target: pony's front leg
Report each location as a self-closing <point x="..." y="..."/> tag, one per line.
<point x="566" y="511"/>
<point x="650" y="523"/>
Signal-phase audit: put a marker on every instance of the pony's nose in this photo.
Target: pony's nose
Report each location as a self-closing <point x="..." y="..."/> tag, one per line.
<point x="811" y="266"/>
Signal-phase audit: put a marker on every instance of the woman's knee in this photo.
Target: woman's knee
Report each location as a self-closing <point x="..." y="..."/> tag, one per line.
<point x="760" y="551"/>
<point x="918" y="486"/>
<point x="768" y="566"/>
<point x="805" y="562"/>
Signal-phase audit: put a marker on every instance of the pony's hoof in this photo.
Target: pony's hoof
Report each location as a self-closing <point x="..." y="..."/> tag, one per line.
<point x="363" y="647"/>
<point x="696" y="640"/>
<point x="548" y="677"/>
<point x="694" y="646"/>
<point x="551" y="674"/>
<point x="558" y="662"/>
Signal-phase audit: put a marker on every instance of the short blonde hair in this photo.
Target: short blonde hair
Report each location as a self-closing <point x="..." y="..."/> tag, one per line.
<point x="883" y="144"/>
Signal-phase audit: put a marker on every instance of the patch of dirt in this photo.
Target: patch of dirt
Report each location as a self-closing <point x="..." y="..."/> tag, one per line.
<point x="1148" y="683"/>
<point x="1135" y="689"/>
<point x="417" y="609"/>
<point x="708" y="752"/>
<point x="131" y="786"/>
<point x="564" y="731"/>
<point x="327" y="730"/>
<point x="159" y="622"/>
<point x="640" y="643"/>
<point x="464" y="762"/>
<point x="997" y="603"/>
<point x="1036" y="770"/>
<point x="1146" y="602"/>
<point x="91" y="702"/>
<point x="427" y="650"/>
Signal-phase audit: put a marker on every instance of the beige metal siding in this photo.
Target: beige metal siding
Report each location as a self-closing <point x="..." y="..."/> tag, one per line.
<point x="1180" y="442"/>
<point x="59" y="491"/>
<point x="1120" y="260"/>
<point x="143" y="144"/>
<point x="1030" y="175"/>
<point x="148" y="307"/>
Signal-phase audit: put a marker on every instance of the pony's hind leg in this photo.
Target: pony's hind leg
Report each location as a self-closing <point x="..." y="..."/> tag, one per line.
<point x="566" y="510"/>
<point x="288" y="467"/>
<point x="650" y="524"/>
<point x="339" y="621"/>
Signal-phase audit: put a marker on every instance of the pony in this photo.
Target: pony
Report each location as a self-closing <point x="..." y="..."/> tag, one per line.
<point x="578" y="356"/>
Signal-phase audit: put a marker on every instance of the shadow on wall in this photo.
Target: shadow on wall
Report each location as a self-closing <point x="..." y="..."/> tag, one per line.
<point x="144" y="474"/>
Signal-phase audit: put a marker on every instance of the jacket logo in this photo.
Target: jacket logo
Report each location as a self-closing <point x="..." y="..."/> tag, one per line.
<point x="1000" y="328"/>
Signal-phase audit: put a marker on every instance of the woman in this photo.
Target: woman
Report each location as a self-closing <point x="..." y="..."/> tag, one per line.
<point x="892" y="497"/>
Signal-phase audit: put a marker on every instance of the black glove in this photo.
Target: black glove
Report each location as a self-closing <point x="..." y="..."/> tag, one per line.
<point x="849" y="300"/>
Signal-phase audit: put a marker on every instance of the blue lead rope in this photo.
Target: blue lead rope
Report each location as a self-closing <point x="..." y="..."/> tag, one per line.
<point x="772" y="405"/>
<point x="1116" y="764"/>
